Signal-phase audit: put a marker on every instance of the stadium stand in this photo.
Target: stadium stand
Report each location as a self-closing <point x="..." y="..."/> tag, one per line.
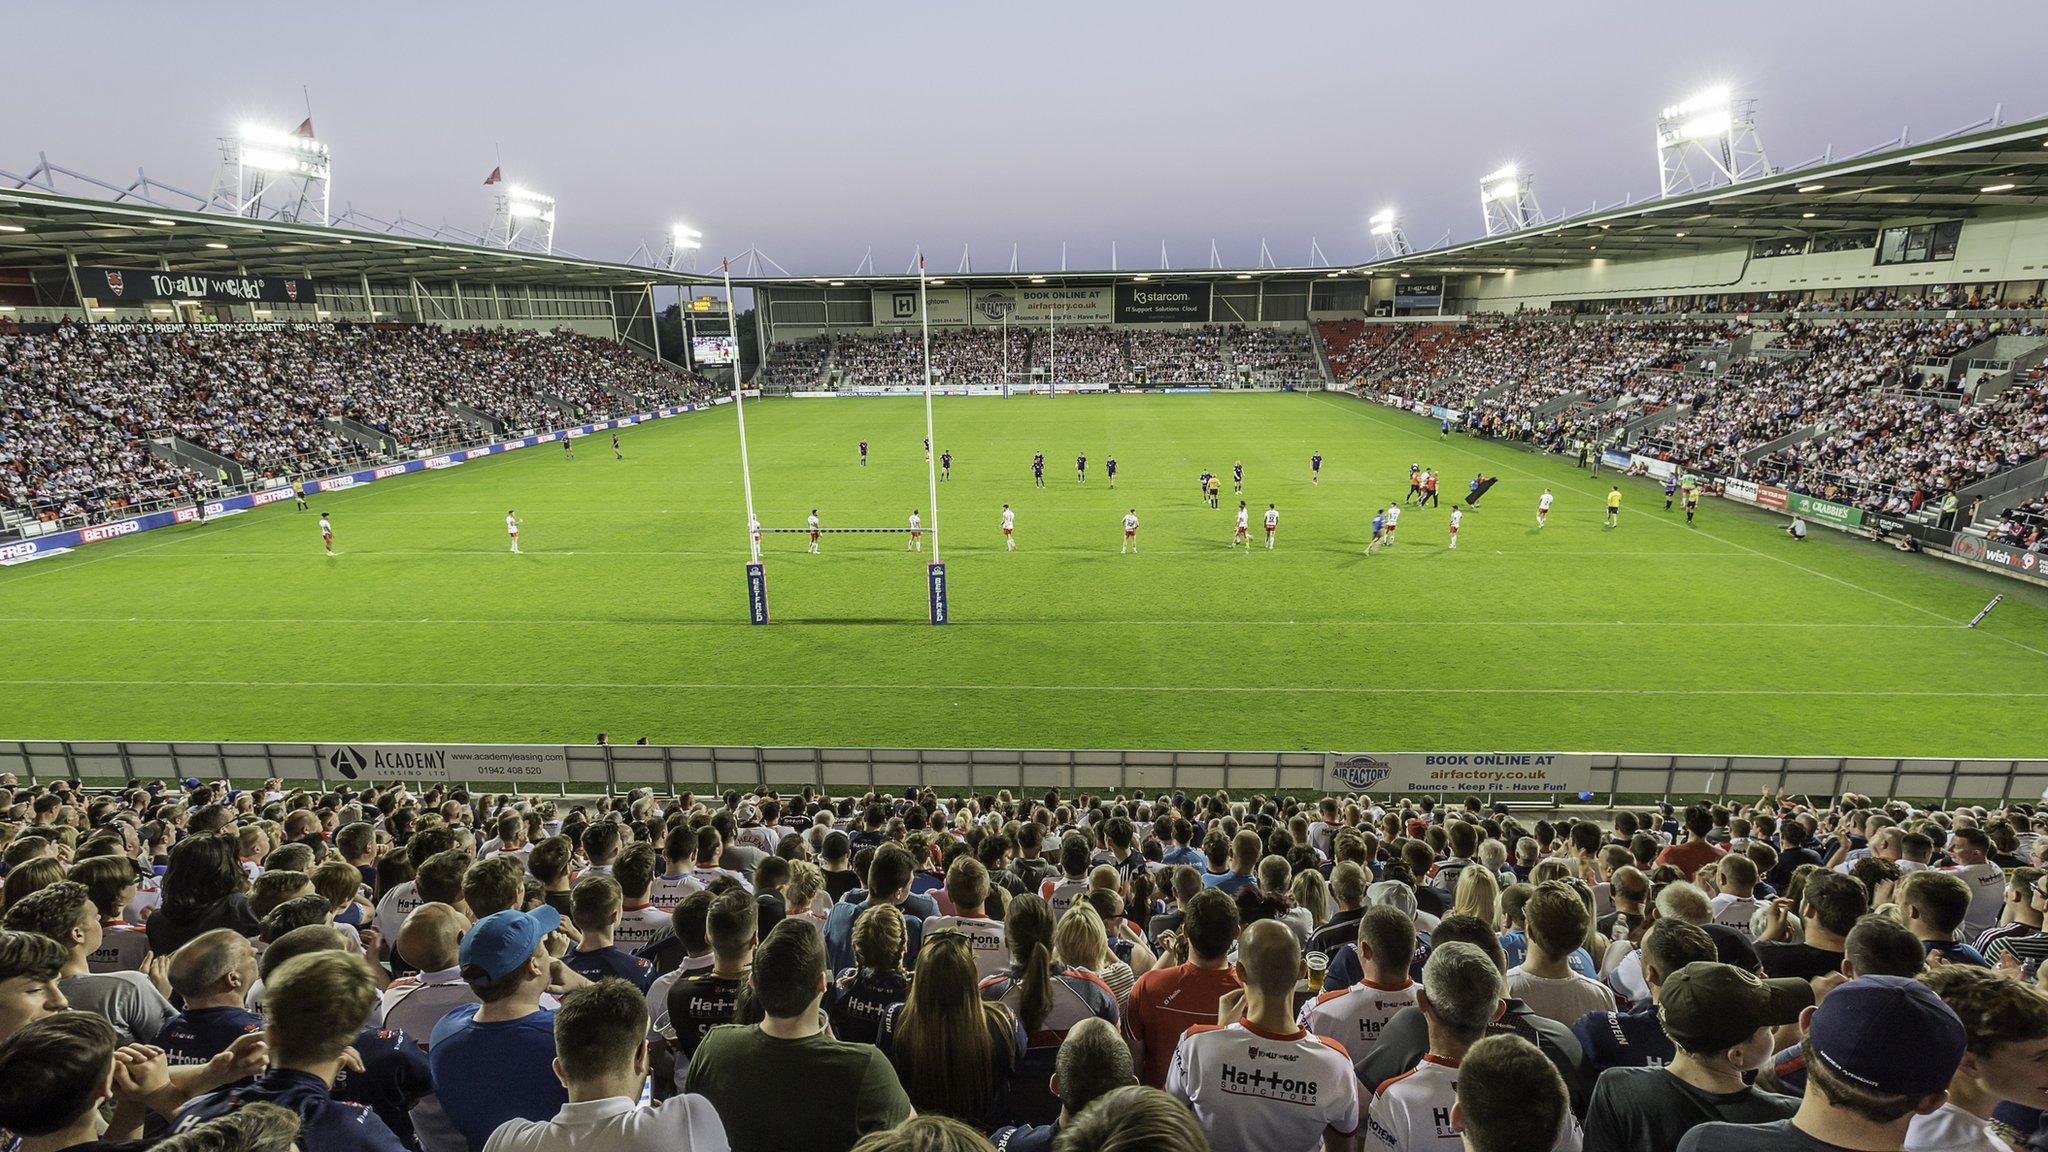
<point x="1613" y="962"/>
<point x="82" y="404"/>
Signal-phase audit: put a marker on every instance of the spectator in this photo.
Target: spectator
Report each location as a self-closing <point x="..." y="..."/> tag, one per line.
<point x="967" y="888"/>
<point x="1719" y="1020"/>
<point x="132" y="1002"/>
<point x="213" y="976"/>
<point x="1093" y="1062"/>
<point x="431" y="941"/>
<point x="1934" y="904"/>
<point x="1213" y="1063"/>
<point x="1558" y="922"/>
<point x="1880" y="1050"/>
<point x="597" y="905"/>
<point x="202" y="890"/>
<point x="492" y="1061"/>
<point x="1354" y="1016"/>
<point x="1139" y="1118"/>
<point x="1637" y="1038"/>
<point x="954" y="1052"/>
<point x="888" y="883"/>
<point x="863" y="995"/>
<point x="849" y="1089"/>
<point x="1167" y="1001"/>
<point x="1509" y="1097"/>
<point x="601" y="1057"/>
<point x="31" y="968"/>
<point x="2007" y="1026"/>
<point x="1971" y="850"/>
<point x="699" y="1002"/>
<point x="314" y="1007"/>
<point x="1828" y="908"/>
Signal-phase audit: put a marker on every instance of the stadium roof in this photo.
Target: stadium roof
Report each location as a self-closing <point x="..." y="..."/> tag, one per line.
<point x="1944" y="179"/>
<point x="139" y="235"/>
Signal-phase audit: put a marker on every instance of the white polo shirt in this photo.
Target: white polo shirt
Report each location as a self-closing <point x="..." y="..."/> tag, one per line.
<point x="991" y="949"/>
<point x="1354" y="1016"/>
<point x="414" y="1004"/>
<point x="637" y="926"/>
<point x="616" y="1124"/>
<point x="668" y="891"/>
<point x="1732" y="911"/>
<point x="1412" y="1112"/>
<point x="1987" y="895"/>
<point x="1257" y="1090"/>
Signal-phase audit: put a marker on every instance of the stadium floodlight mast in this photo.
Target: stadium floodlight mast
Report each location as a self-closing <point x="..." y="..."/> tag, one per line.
<point x="1507" y="201"/>
<point x="1388" y="238"/>
<point x="524" y="219"/>
<point x="269" y="174"/>
<point x="683" y="242"/>
<point x="1714" y="126"/>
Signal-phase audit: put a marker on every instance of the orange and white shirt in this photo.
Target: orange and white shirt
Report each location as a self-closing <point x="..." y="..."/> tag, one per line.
<point x="1412" y="1112"/>
<point x="1354" y="1016"/>
<point x="1061" y="892"/>
<point x="1272" y="519"/>
<point x="1258" y="1090"/>
<point x="991" y="949"/>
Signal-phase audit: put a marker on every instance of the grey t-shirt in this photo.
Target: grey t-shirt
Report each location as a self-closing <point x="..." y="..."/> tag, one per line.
<point x="127" y="1000"/>
<point x="1777" y="1136"/>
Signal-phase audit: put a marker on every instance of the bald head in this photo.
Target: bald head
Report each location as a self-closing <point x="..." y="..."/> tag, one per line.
<point x="1093" y="1062"/>
<point x="431" y="937"/>
<point x="1269" y="957"/>
<point x="203" y="966"/>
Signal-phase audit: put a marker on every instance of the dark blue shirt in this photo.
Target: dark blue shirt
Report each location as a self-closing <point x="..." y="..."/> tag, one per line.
<point x="486" y="1074"/>
<point x="858" y="1000"/>
<point x="1623" y="1040"/>
<point x="325" y="1123"/>
<point x="1956" y="952"/>
<point x="1025" y="1138"/>
<point x="199" y="1034"/>
<point x="603" y="962"/>
<point x="393" y="1079"/>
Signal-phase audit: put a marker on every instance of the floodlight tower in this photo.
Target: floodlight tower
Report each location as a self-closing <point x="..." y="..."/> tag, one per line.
<point x="266" y="173"/>
<point x="1388" y="238"/>
<point x="683" y="242"/>
<point x="524" y="218"/>
<point x="1507" y="201"/>
<point x="1713" y="126"/>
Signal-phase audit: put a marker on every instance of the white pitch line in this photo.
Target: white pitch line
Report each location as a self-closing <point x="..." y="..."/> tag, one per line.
<point x="1700" y="531"/>
<point x="1175" y="689"/>
<point x="1353" y="622"/>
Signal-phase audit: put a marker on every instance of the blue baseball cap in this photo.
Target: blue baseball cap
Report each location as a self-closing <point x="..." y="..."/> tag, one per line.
<point x="503" y="941"/>
<point x="1888" y="1034"/>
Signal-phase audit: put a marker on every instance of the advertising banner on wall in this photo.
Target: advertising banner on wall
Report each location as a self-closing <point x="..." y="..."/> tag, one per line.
<point x="1033" y="304"/>
<point x="1825" y="511"/>
<point x="900" y="306"/>
<point x="112" y="286"/>
<point x="1161" y="303"/>
<point x="1418" y="295"/>
<point x="1541" y="773"/>
<point x="2001" y="555"/>
<point x="383" y="763"/>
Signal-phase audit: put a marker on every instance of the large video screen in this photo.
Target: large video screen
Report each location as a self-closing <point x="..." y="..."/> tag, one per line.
<point x="714" y="349"/>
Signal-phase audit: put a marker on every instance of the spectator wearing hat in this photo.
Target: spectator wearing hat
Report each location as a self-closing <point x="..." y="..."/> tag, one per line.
<point x="1719" y="1019"/>
<point x="1880" y="1050"/>
<point x="1637" y="1038"/>
<point x="1877" y="946"/>
<point x="2007" y="1025"/>
<point x="493" y="1061"/>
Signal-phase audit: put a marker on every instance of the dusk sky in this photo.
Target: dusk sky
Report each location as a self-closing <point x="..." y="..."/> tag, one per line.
<point x="814" y="130"/>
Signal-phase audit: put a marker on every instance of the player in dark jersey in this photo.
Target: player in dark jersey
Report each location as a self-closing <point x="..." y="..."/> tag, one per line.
<point x="1038" y="469"/>
<point x="616" y="453"/>
<point x="945" y="465"/>
<point x="1109" y="466"/>
<point x="1081" y="469"/>
<point x="1237" y="478"/>
<point x="863" y="453"/>
<point x="568" y="448"/>
<point x="1202" y="485"/>
<point x="1670" y="489"/>
<point x="1315" y="468"/>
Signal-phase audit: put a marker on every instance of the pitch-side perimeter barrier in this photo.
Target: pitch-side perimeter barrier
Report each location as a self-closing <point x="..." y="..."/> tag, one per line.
<point x="57" y="543"/>
<point x="670" y="768"/>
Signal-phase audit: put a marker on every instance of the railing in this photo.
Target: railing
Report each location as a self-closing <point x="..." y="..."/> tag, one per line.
<point x="673" y="768"/>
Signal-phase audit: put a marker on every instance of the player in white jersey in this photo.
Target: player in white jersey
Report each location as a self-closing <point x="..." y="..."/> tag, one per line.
<point x="1260" y="1082"/>
<point x="1131" y="530"/>
<point x="1543" y="508"/>
<point x="814" y="531"/>
<point x="1393" y="522"/>
<point x="327" y="533"/>
<point x="1009" y="528"/>
<point x="916" y="533"/>
<point x="1244" y="519"/>
<point x="1272" y="525"/>
<point x="1457" y="518"/>
<point x="512" y="528"/>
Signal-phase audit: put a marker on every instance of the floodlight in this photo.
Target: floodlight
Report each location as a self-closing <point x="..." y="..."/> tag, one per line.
<point x="1713" y="125"/>
<point x="1997" y="188"/>
<point x="1811" y="187"/>
<point x="525" y="211"/>
<point x="1388" y="240"/>
<point x="215" y="244"/>
<point x="1382" y="222"/>
<point x="685" y="236"/>
<point x="1506" y="202"/>
<point x="269" y="172"/>
<point x="163" y="223"/>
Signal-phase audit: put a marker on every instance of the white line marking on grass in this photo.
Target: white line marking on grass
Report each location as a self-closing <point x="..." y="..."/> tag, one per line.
<point x="1176" y="689"/>
<point x="1673" y="524"/>
<point x="1347" y="622"/>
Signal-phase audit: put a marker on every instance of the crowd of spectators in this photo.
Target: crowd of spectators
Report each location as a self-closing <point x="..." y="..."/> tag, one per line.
<point x="798" y="364"/>
<point x="1092" y="354"/>
<point x="79" y="405"/>
<point x="1276" y="354"/>
<point x="198" y="966"/>
<point x="1353" y="347"/>
<point x="1081" y="354"/>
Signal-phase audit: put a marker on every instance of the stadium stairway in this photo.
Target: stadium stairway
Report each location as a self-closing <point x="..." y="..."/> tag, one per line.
<point x="192" y="458"/>
<point x="491" y="425"/>
<point x="370" y="439"/>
